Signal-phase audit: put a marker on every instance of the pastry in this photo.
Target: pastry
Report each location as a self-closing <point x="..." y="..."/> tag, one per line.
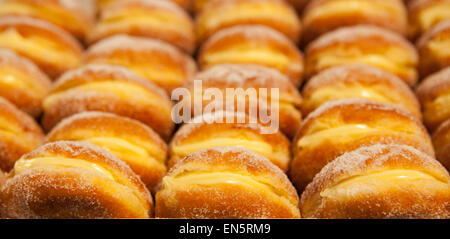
<point x="441" y="142"/>
<point x="424" y="14"/>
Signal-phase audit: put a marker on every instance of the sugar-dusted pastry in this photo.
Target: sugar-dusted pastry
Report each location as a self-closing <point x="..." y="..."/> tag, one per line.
<point x="441" y="142"/>
<point x="226" y="182"/>
<point x="218" y="14"/>
<point x="380" y="181"/>
<point x="365" y="45"/>
<point x="19" y="134"/>
<point x="157" y="61"/>
<point x="74" y="16"/>
<point x="251" y="79"/>
<point x="157" y="19"/>
<point x="253" y="44"/>
<point x="358" y="81"/>
<point x="424" y="14"/>
<point x="434" y="96"/>
<point x="342" y="126"/>
<point x="74" y="180"/>
<point x="51" y="48"/>
<point x="129" y="140"/>
<point x="22" y="82"/>
<point x="434" y="49"/>
<point x="186" y="4"/>
<point x="212" y="130"/>
<point x="111" y="89"/>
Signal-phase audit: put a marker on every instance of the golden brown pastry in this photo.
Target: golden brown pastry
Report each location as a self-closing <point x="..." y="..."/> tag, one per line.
<point x="219" y="14"/>
<point x="251" y="77"/>
<point x="226" y="182"/>
<point x="19" y="134"/>
<point x="130" y="141"/>
<point x="159" y="62"/>
<point x="22" y="82"/>
<point x="51" y="48"/>
<point x="74" y="180"/>
<point x="434" y="95"/>
<point x="322" y="16"/>
<point x="380" y="181"/>
<point x="424" y="14"/>
<point x="342" y="126"/>
<point x="76" y="17"/>
<point x="441" y="142"/>
<point x="253" y="44"/>
<point x="358" y="81"/>
<point x="434" y="49"/>
<point x="111" y="89"/>
<point x="186" y="4"/>
<point x="365" y="45"/>
<point x="212" y="130"/>
<point x="161" y="20"/>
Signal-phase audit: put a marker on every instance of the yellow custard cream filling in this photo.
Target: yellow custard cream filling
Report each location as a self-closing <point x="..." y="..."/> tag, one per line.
<point x="23" y="165"/>
<point x="259" y="147"/>
<point x="13" y="77"/>
<point x="355" y="6"/>
<point x="39" y="47"/>
<point x="378" y="181"/>
<point x="434" y="14"/>
<point x="440" y="47"/>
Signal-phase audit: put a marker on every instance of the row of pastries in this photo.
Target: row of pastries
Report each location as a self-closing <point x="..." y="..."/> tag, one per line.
<point x="86" y="128"/>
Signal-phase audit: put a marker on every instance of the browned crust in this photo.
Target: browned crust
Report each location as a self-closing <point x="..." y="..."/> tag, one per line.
<point x="70" y="192"/>
<point x="256" y="35"/>
<point x="293" y="31"/>
<point x="185" y="42"/>
<point x="82" y="11"/>
<point x="30" y="26"/>
<point x="12" y="149"/>
<point x="225" y="201"/>
<point x="441" y="144"/>
<point x="308" y="161"/>
<point x="70" y="104"/>
<point x="364" y="35"/>
<point x="363" y="74"/>
<point x="430" y="61"/>
<point x="198" y="132"/>
<point x="113" y="125"/>
<point x="27" y="100"/>
<point x="140" y="50"/>
<point x="401" y="203"/>
<point x="314" y="27"/>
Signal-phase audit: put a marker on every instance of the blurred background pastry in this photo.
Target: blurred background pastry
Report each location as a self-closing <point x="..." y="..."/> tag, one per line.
<point x="424" y="14"/>
<point x="130" y="141"/>
<point x="74" y="180"/>
<point x="111" y="89"/>
<point x="342" y="126"/>
<point x="381" y="181"/>
<point x="253" y="44"/>
<point x="226" y="182"/>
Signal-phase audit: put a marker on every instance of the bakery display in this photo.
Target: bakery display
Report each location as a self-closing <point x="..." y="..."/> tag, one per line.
<point x="226" y="182"/>
<point x="322" y="16"/>
<point x="433" y="48"/>
<point x="434" y="95"/>
<point x="251" y="77"/>
<point x="381" y="181"/>
<point x="19" y="134"/>
<point x="22" y="82"/>
<point x="76" y="17"/>
<point x="358" y="81"/>
<point x="159" y="62"/>
<point x="130" y="141"/>
<point x="212" y="130"/>
<point x="161" y="20"/>
<point x="441" y="142"/>
<point x="111" y="89"/>
<point x="424" y="14"/>
<point x="277" y="14"/>
<point x="342" y="126"/>
<point x="253" y="44"/>
<point x="365" y="45"/>
<point x="74" y="180"/>
<point x="51" y="48"/>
